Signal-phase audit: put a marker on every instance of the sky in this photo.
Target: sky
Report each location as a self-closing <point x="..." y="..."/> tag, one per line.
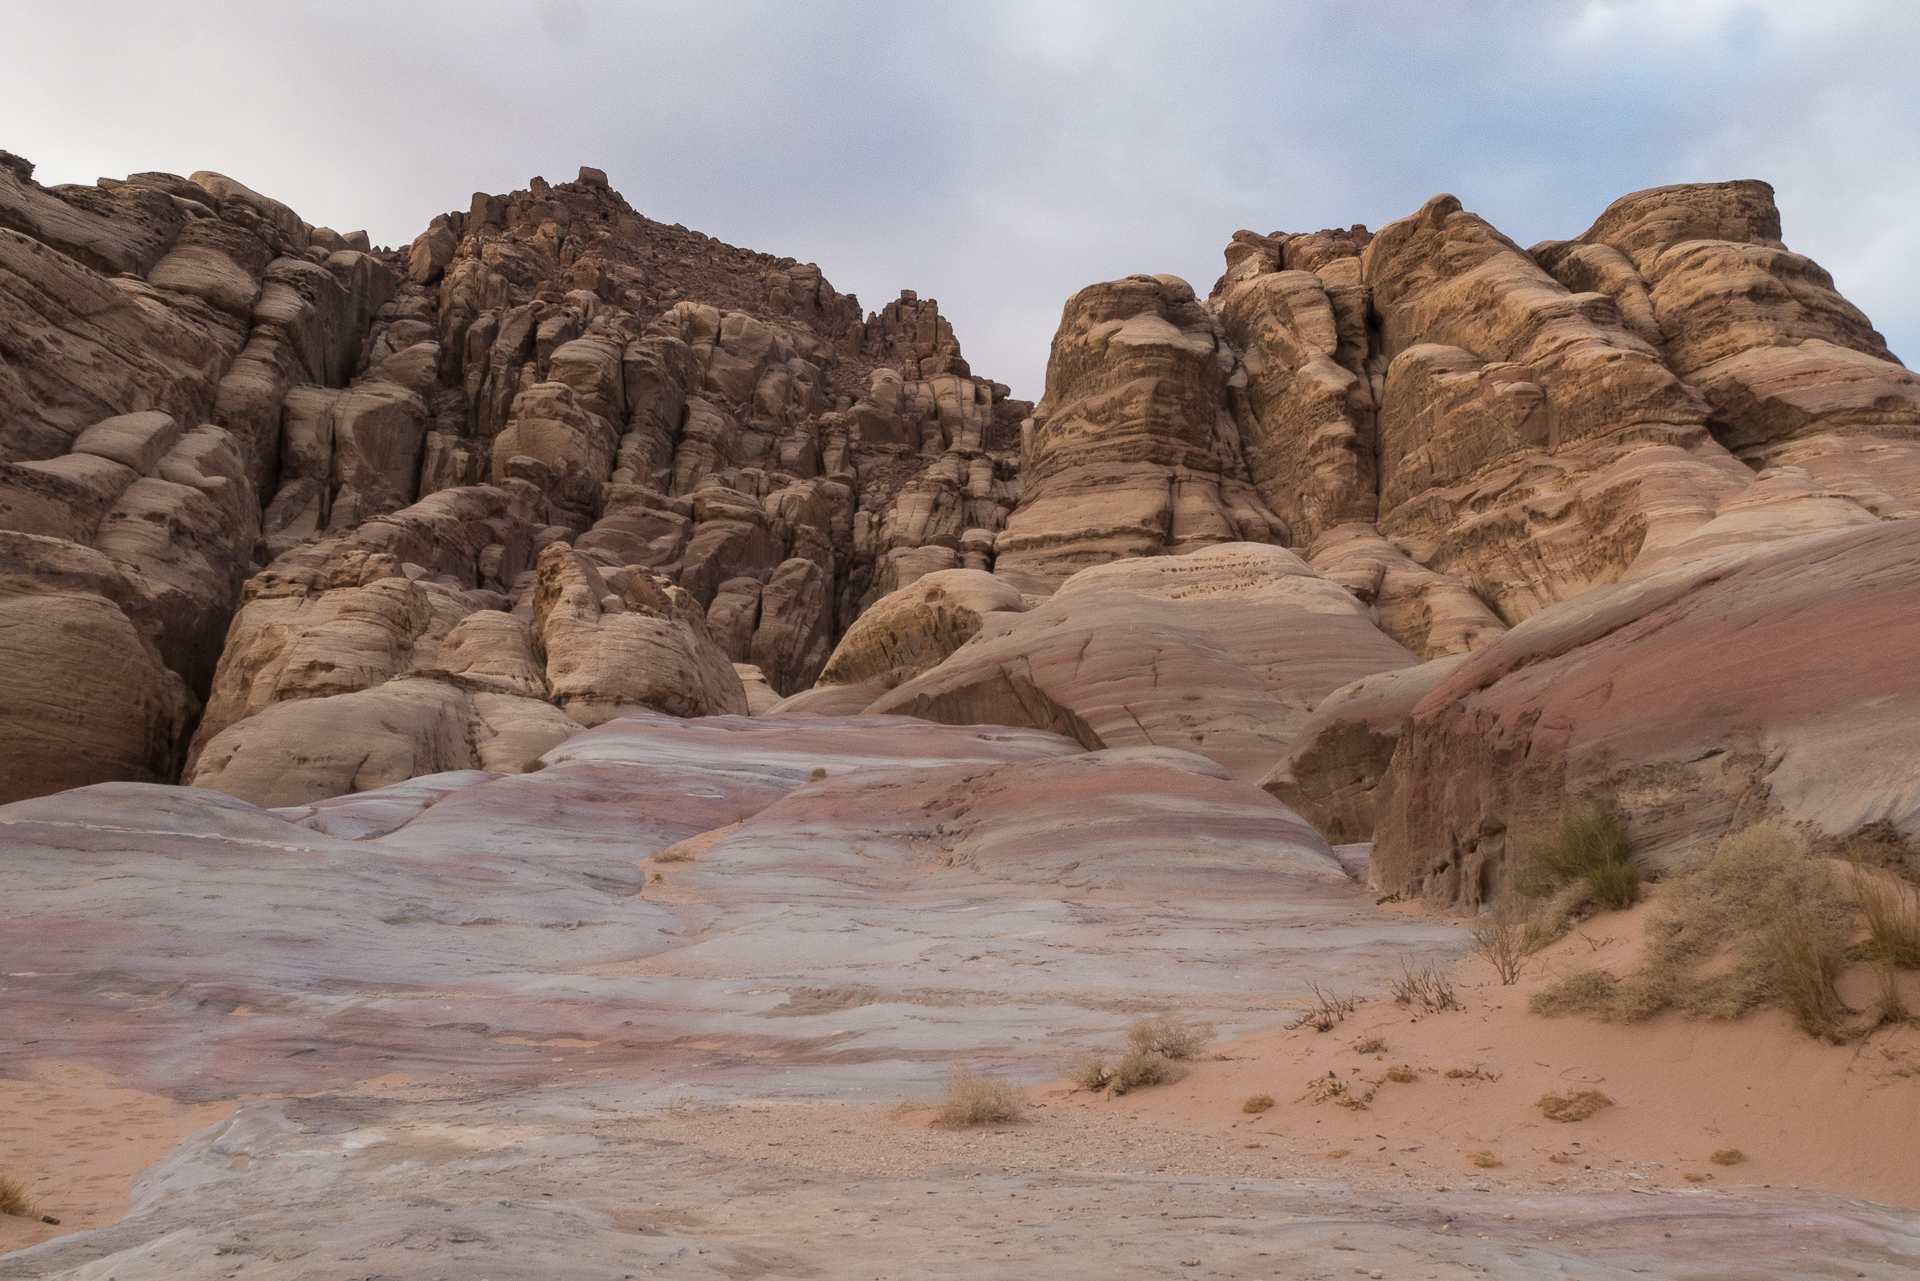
<point x="999" y="155"/>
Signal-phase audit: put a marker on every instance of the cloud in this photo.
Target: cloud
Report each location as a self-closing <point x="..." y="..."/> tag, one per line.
<point x="1000" y="155"/>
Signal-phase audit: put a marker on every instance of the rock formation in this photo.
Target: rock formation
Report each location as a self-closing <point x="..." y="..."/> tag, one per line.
<point x="292" y="517"/>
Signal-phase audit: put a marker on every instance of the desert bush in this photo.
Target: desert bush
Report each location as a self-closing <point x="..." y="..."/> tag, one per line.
<point x="16" y="1199"/>
<point x="1577" y="992"/>
<point x="1752" y="892"/>
<point x="1141" y="1068"/>
<point x="1402" y="1074"/>
<point x="1484" y="1159"/>
<point x="1371" y="1045"/>
<point x="1257" y="1103"/>
<point x="1561" y="1158"/>
<point x="532" y="765"/>
<point x="1589" y="846"/>
<point x="1574" y="1105"/>
<point x="1507" y="938"/>
<point x="1893" y="921"/>
<point x="1425" y="987"/>
<point x="819" y="772"/>
<point x="1170" y="1037"/>
<point x="974" y="1099"/>
<point x="1093" y="1074"/>
<point x="1728" y="1156"/>
<point x="1326" y="1012"/>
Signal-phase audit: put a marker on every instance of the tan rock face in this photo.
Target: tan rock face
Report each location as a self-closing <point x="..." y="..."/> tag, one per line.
<point x="607" y="653"/>
<point x="1773" y="680"/>
<point x="1222" y="652"/>
<point x="915" y="629"/>
<point x="1133" y="449"/>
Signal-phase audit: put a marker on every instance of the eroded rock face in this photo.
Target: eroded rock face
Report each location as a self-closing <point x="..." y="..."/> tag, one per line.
<point x="1222" y="652"/>
<point x="915" y="629"/>
<point x="1133" y="450"/>
<point x="1774" y="680"/>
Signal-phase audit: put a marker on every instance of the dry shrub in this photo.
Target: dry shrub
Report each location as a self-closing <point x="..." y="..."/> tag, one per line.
<point x="1402" y="1074"/>
<point x="1574" y="1105"/>
<point x="1892" y="913"/>
<point x="1258" y="1103"/>
<point x="1337" y="1153"/>
<point x="1561" y="1158"/>
<point x="1590" y="848"/>
<point x="1372" y="1045"/>
<point x="1506" y="939"/>
<point x="675" y="853"/>
<point x="1425" y="987"/>
<point x="1092" y="1073"/>
<point x="1139" y="1069"/>
<point x="1169" y="1037"/>
<point x="532" y="765"/>
<point x="1577" y="992"/>
<point x="973" y="1099"/>
<point x="1331" y="1089"/>
<point x="1755" y="893"/>
<point x="819" y="772"/>
<point x="16" y="1199"/>
<point x="1728" y="1156"/>
<point x="1327" y="1011"/>
<point x="1484" y="1159"/>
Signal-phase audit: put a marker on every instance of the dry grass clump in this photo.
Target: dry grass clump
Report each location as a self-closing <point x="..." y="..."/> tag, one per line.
<point x="819" y="772"/>
<point x="1561" y="1158"/>
<point x="1138" y="1069"/>
<point x="974" y="1099"/>
<point x="532" y="765"/>
<point x="1892" y="913"/>
<point x="1327" y="1011"/>
<point x="1159" y="1047"/>
<point x="1170" y="1037"/>
<point x="1484" y="1159"/>
<point x="1403" y="1074"/>
<point x="675" y="853"/>
<point x="1371" y="1045"/>
<point x="1589" y="848"/>
<point x="16" y="1199"/>
<point x="1257" y="1104"/>
<point x="1576" y="992"/>
<point x="1754" y="893"/>
<point x="1728" y="1156"/>
<point x="1425" y="987"/>
<point x="1574" y="1105"/>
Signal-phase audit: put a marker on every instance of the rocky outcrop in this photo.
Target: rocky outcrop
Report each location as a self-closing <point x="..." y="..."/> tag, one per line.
<point x="1133" y="451"/>
<point x="915" y="629"/>
<point x="1222" y="652"/>
<point x="1332" y="773"/>
<point x="1770" y="681"/>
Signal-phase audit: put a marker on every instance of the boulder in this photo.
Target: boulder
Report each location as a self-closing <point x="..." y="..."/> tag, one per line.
<point x="916" y="628"/>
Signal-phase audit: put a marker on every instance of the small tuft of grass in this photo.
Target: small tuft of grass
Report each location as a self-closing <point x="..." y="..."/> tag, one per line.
<point x="1425" y="987"/>
<point x="1577" y="992"/>
<point x="1402" y="1074"/>
<point x="975" y="1099"/>
<point x="1691" y="1177"/>
<point x="1892" y="914"/>
<point x="819" y="772"/>
<point x="1574" y="1105"/>
<point x="1170" y="1037"/>
<point x="1561" y="1158"/>
<point x="1141" y="1068"/>
<point x="1371" y="1045"/>
<point x="1337" y="1154"/>
<point x="1728" y="1156"/>
<point x="1257" y="1103"/>
<point x="1590" y="847"/>
<point x="532" y="765"/>
<point x="1484" y="1159"/>
<point x="15" y="1199"/>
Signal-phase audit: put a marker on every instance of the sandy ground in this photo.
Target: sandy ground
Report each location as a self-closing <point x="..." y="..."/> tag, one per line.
<point x="1803" y="1113"/>
<point x="78" y="1140"/>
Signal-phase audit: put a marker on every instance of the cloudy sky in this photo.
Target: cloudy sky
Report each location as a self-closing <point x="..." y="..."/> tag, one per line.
<point x="1000" y="155"/>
